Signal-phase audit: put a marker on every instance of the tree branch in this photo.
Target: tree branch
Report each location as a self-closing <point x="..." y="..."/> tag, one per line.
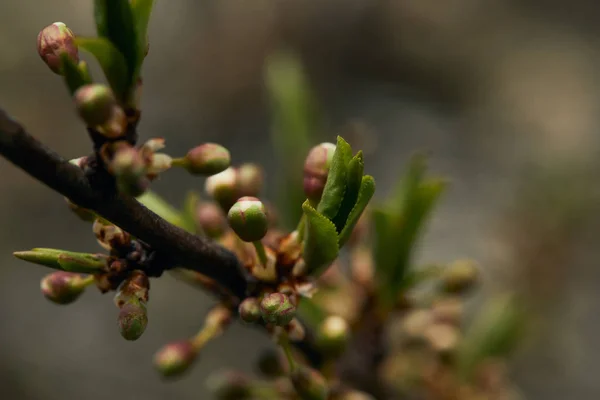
<point x="192" y="252"/>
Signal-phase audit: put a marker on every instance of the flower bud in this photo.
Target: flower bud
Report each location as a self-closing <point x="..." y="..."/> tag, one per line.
<point x="249" y="180"/>
<point x="223" y="187"/>
<point x="333" y="334"/>
<point x="460" y="276"/>
<point x="129" y="167"/>
<point x="316" y="169"/>
<point x="229" y="385"/>
<point x="248" y="219"/>
<point x="250" y="310"/>
<point x="210" y="218"/>
<point x="276" y="308"/>
<point x="133" y="319"/>
<point x="116" y="125"/>
<point x="309" y="383"/>
<point x="175" y="358"/>
<point x="94" y="103"/>
<point x="62" y="287"/>
<point x="207" y="159"/>
<point x="55" y="40"/>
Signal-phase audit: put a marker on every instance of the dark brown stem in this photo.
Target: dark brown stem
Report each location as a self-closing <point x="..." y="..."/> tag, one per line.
<point x="173" y="243"/>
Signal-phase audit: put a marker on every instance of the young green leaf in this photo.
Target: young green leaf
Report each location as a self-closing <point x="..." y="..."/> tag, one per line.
<point x="111" y="60"/>
<point x="294" y="121"/>
<point x="356" y="167"/>
<point x="64" y="260"/>
<point x="365" y="193"/>
<point x="337" y="180"/>
<point x="158" y="205"/>
<point x="321" y="241"/>
<point x="114" y="21"/>
<point x="75" y="77"/>
<point x="494" y="333"/>
<point x="141" y="10"/>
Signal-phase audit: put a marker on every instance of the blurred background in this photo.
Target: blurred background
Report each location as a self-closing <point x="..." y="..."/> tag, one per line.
<point x="503" y="94"/>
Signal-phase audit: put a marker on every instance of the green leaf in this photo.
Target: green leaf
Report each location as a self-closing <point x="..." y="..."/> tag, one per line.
<point x="158" y="205"/>
<point x="321" y="241"/>
<point x="141" y="10"/>
<point x="495" y="332"/>
<point x="74" y="76"/>
<point x="337" y="180"/>
<point x="294" y="120"/>
<point x="398" y="226"/>
<point x="310" y="312"/>
<point x="111" y="60"/>
<point x="188" y="214"/>
<point x="64" y="260"/>
<point x="356" y="167"/>
<point x="366" y="192"/>
<point x="114" y="21"/>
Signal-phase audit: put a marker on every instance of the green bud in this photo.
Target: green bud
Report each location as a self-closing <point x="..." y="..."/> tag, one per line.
<point x="55" y="40"/>
<point x="94" y="103"/>
<point x="207" y="159"/>
<point x="249" y="180"/>
<point x="333" y="335"/>
<point x="229" y="385"/>
<point x="316" y="169"/>
<point x="211" y="220"/>
<point x="116" y="125"/>
<point x="460" y="276"/>
<point x="130" y="168"/>
<point x="65" y="260"/>
<point x="223" y="187"/>
<point x="249" y="310"/>
<point x="63" y="287"/>
<point x="276" y="308"/>
<point x="248" y="219"/>
<point x="309" y="383"/>
<point x="133" y="319"/>
<point x="175" y="358"/>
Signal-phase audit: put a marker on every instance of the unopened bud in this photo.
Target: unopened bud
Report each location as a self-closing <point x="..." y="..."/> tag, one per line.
<point x="116" y="125"/>
<point x="250" y="180"/>
<point x="229" y="385"/>
<point x="250" y="310"/>
<point x="94" y="103"/>
<point x="333" y="334"/>
<point x="211" y="219"/>
<point x="276" y="308"/>
<point x="309" y="384"/>
<point x="460" y="276"/>
<point x="175" y="358"/>
<point x="130" y="168"/>
<point x="223" y="187"/>
<point x="207" y="159"/>
<point x="248" y="219"/>
<point x="55" y="40"/>
<point x="133" y="319"/>
<point x="62" y="287"/>
<point x="316" y="169"/>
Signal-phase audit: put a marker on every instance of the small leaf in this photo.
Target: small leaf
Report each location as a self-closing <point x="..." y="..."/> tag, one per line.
<point x="494" y="333"/>
<point x="294" y="121"/>
<point x="158" y="205"/>
<point x="64" y="260"/>
<point x="356" y="167"/>
<point x="111" y="60"/>
<point x="321" y="241"/>
<point x="337" y="180"/>
<point x="73" y="75"/>
<point x="366" y="191"/>
<point x="114" y="21"/>
<point x="141" y="10"/>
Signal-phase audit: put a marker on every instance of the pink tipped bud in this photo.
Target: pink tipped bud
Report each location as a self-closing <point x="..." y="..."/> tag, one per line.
<point x="62" y="287"/>
<point x="316" y="169"/>
<point x="277" y="309"/>
<point x="55" y="40"/>
<point x="248" y="219"/>
<point x="207" y="159"/>
<point x="116" y="125"/>
<point x="94" y="103"/>
<point x="211" y="219"/>
<point x="133" y="319"/>
<point x="175" y="358"/>
<point x="250" y="180"/>
<point x="223" y="188"/>
<point x="250" y="310"/>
